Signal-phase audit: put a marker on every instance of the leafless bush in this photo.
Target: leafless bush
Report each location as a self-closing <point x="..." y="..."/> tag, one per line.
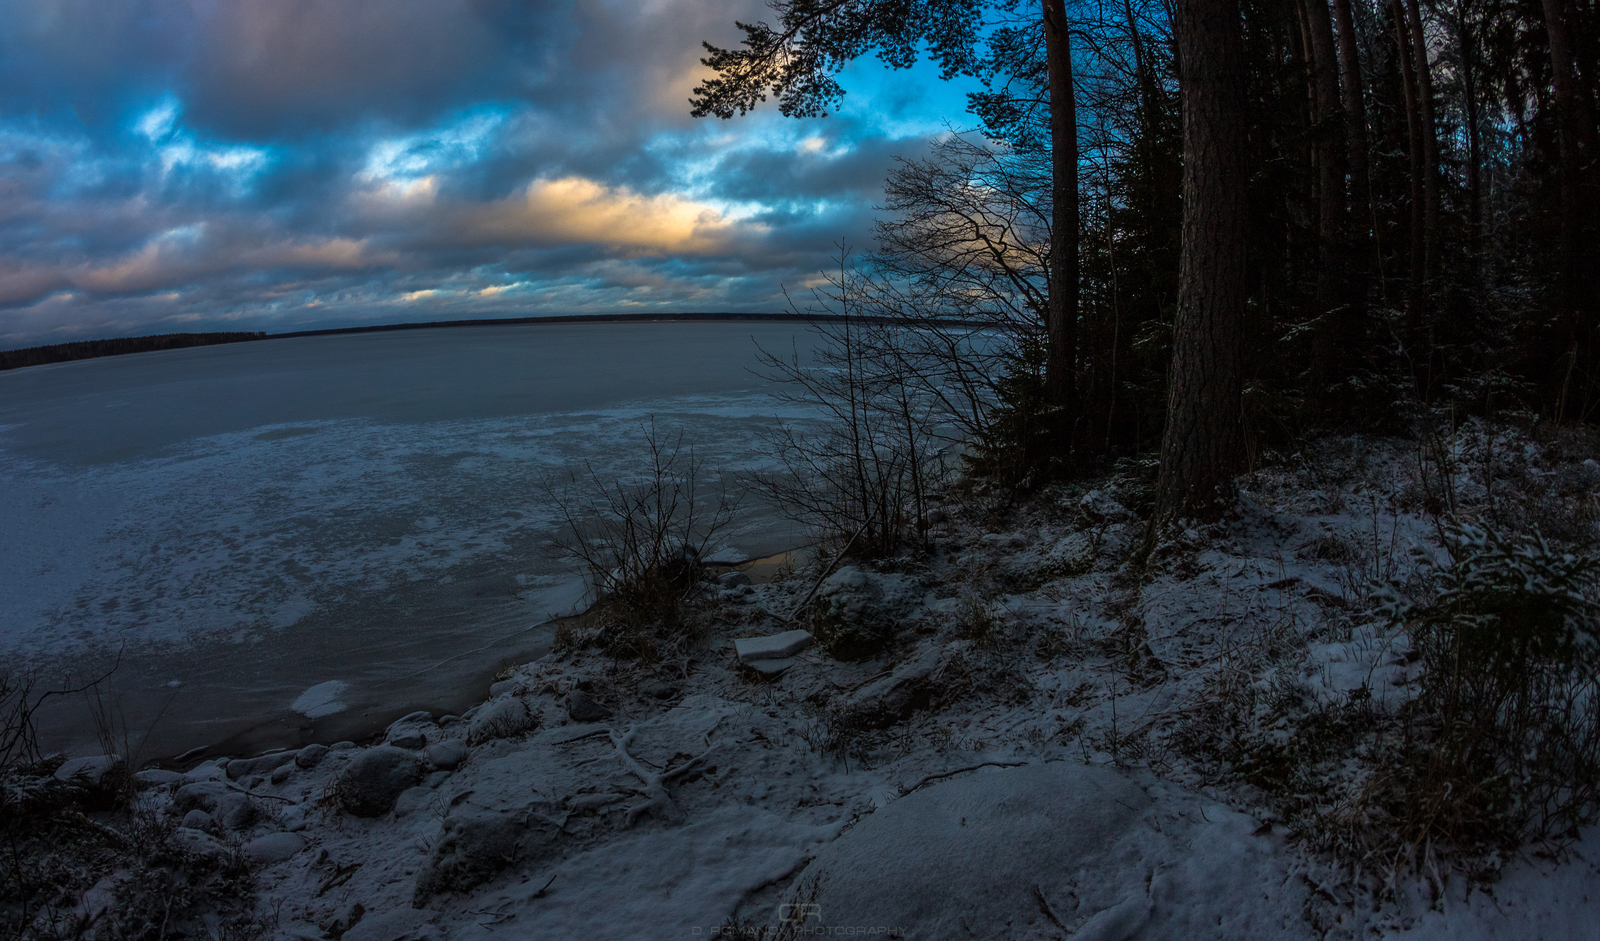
<point x="640" y="541"/>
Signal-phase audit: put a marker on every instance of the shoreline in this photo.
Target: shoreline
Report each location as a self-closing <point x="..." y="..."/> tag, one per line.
<point x="293" y="730"/>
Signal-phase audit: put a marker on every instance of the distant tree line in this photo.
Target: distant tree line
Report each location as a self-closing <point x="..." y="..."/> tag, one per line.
<point x="90" y="349"/>
<point x="1223" y="223"/>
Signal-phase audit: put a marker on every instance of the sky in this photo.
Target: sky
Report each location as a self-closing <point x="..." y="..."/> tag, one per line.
<point x="197" y="165"/>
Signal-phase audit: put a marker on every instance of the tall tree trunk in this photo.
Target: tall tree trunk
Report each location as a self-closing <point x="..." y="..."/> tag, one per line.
<point x="1563" y="71"/>
<point x="1355" y="108"/>
<point x="1062" y="319"/>
<point x="1203" y="444"/>
<point x="1468" y="41"/>
<point x="1430" y="146"/>
<point x="1331" y="226"/>
<point x="1408" y="81"/>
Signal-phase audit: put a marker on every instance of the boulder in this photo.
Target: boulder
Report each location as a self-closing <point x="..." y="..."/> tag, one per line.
<point x="273" y="848"/>
<point x="501" y="718"/>
<point x="734" y="579"/>
<point x="858" y="612"/>
<point x="198" y="820"/>
<point x="411" y="731"/>
<point x="202" y="795"/>
<point x="310" y="756"/>
<point x="100" y="776"/>
<point x="369" y="785"/>
<point x="266" y="764"/>
<point x="475" y="843"/>
<point x="448" y="754"/>
<point x="155" y="777"/>
<point x="892" y="699"/>
<point x="413" y="799"/>
<point x="582" y="707"/>
<point x="237" y="811"/>
<point x="982" y="843"/>
<point x="199" y="843"/>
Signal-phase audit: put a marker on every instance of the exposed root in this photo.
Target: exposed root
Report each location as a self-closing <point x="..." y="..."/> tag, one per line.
<point x="655" y="784"/>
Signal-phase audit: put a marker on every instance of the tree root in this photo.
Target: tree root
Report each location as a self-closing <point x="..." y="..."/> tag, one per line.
<point x="655" y="784"/>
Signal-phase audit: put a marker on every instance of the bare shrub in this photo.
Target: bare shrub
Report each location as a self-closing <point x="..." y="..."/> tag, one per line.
<point x="640" y="542"/>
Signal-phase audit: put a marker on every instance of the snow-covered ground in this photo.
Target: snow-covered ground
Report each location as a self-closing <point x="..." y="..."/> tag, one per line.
<point x="232" y="526"/>
<point x="1035" y="755"/>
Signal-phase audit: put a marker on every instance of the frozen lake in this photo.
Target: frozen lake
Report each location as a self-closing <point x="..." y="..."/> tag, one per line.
<point x="244" y="522"/>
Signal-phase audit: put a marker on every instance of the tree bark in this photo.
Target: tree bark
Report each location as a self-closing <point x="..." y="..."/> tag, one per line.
<point x="1468" y="47"/>
<point x="1203" y="443"/>
<point x="1430" y="150"/>
<point x="1355" y="108"/>
<point x="1062" y="318"/>
<point x="1331" y="225"/>
<point x="1408" y="80"/>
<point x="1564" y="80"/>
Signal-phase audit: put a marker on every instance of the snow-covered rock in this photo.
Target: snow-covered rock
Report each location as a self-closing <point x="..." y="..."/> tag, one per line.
<point x="501" y="718"/>
<point x="582" y="707"/>
<point x="858" y="611"/>
<point x="476" y="842"/>
<point x="371" y="782"/>
<point x="273" y="848"/>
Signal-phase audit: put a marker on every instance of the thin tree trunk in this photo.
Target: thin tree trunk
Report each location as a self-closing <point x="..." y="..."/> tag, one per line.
<point x="1355" y="108"/>
<point x="1562" y="67"/>
<point x="1203" y="444"/>
<point x="1408" y="81"/>
<point x="1469" y="90"/>
<point x="1430" y="146"/>
<point x="1062" y="320"/>
<point x="1331" y="226"/>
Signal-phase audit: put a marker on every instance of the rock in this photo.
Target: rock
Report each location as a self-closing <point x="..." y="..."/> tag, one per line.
<point x="401" y="924"/>
<point x="446" y="722"/>
<point x="858" y="612"/>
<point x="155" y="777"/>
<point x="499" y="719"/>
<point x="1097" y="506"/>
<point x="310" y="756"/>
<point x="198" y="820"/>
<point x="734" y="579"/>
<point x="583" y="707"/>
<point x="201" y="794"/>
<point x="97" y="773"/>
<point x="293" y="818"/>
<point x="893" y="698"/>
<point x="770" y="668"/>
<point x="773" y="647"/>
<point x="205" y="771"/>
<point x="982" y="843"/>
<point x="237" y="811"/>
<point x="266" y="764"/>
<point x="435" y="779"/>
<point x="413" y="799"/>
<point x="281" y="773"/>
<point x="413" y="739"/>
<point x="341" y="746"/>
<point x="474" y="844"/>
<point x="448" y="754"/>
<point x="273" y="848"/>
<point x="502" y="688"/>
<point x="410" y="731"/>
<point x="369" y="785"/>
<point x="199" y="843"/>
<point x="659" y="689"/>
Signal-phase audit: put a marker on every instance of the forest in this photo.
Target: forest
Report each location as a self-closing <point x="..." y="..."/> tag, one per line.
<point x="1213" y="227"/>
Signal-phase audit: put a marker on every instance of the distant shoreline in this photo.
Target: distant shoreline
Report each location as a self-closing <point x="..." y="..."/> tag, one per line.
<point x="96" y="349"/>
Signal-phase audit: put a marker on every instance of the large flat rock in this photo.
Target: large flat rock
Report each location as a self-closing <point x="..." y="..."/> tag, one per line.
<point x="774" y="647"/>
<point x="1045" y="851"/>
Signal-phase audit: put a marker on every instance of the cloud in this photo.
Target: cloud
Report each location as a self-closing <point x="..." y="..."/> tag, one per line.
<point x="577" y="210"/>
<point x="275" y="164"/>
